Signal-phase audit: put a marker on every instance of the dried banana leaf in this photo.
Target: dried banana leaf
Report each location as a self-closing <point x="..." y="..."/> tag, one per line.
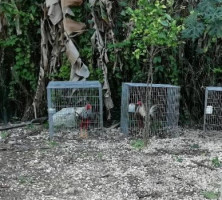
<point x="103" y="33"/>
<point x="79" y="71"/>
<point x="56" y="30"/>
<point x="51" y="2"/>
<point x="82" y="71"/>
<point x="71" y="26"/>
<point x="3" y="22"/>
<point x="17" y="25"/>
<point x="55" y="13"/>
<point x="44" y="46"/>
<point x="17" y="20"/>
<point x="68" y="3"/>
<point x="67" y="10"/>
<point x="71" y="52"/>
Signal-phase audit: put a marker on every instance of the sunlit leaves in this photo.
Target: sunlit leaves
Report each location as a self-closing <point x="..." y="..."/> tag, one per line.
<point x="152" y="26"/>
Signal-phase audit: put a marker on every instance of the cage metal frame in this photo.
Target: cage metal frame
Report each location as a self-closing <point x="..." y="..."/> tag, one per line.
<point x="208" y="90"/>
<point x="124" y="124"/>
<point x="54" y="85"/>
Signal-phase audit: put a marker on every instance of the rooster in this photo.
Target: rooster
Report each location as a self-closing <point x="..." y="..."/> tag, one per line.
<point x="85" y="114"/>
<point x="140" y="113"/>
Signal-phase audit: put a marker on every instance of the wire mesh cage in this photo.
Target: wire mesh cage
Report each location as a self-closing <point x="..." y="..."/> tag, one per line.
<point x="164" y="108"/>
<point x="213" y="109"/>
<point x="74" y="105"/>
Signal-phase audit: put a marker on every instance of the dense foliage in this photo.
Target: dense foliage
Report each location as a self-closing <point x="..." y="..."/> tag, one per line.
<point x="186" y="38"/>
<point x="19" y="52"/>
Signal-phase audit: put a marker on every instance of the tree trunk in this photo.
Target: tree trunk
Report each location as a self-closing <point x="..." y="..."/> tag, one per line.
<point x="146" y="130"/>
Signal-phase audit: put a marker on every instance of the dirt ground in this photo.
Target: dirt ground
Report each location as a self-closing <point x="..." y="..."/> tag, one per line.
<point x="107" y="166"/>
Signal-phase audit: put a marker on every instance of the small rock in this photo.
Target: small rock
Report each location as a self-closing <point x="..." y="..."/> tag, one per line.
<point x="12" y="142"/>
<point x="49" y="192"/>
<point x="71" y="191"/>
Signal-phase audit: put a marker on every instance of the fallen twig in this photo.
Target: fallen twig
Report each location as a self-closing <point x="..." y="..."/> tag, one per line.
<point x="38" y="120"/>
<point x="15" y="126"/>
<point x="114" y="126"/>
<point x="3" y="149"/>
<point x="4" y="186"/>
<point x="32" y="149"/>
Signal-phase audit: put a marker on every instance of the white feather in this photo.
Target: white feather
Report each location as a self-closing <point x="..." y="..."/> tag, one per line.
<point x="79" y="110"/>
<point x="142" y="111"/>
<point x="153" y="109"/>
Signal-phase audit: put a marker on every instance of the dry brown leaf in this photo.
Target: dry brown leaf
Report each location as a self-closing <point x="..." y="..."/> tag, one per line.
<point x="74" y="78"/>
<point x="45" y="57"/>
<point x="67" y="10"/>
<point x="93" y="41"/>
<point x="106" y="56"/>
<point x="17" y="25"/>
<point x="71" y="52"/>
<point x="83" y="71"/>
<point x="79" y="70"/>
<point x="73" y="75"/>
<point x="55" y="13"/>
<point x="3" y="22"/>
<point x="44" y="46"/>
<point x="71" y="26"/>
<point x="99" y="43"/>
<point x="55" y="55"/>
<point x="67" y="3"/>
<point x="17" y="19"/>
<point x="106" y="84"/>
<point x="51" y="2"/>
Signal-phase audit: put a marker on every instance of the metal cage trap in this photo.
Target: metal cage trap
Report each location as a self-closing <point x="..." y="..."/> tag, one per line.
<point x="213" y="109"/>
<point x="164" y="108"/>
<point x="74" y="105"/>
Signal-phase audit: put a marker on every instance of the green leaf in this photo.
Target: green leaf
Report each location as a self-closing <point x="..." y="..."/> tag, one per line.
<point x="18" y="49"/>
<point x="123" y="13"/>
<point x="193" y="31"/>
<point x="157" y="59"/>
<point x="216" y="162"/>
<point x="168" y="17"/>
<point x="122" y="3"/>
<point x="164" y="23"/>
<point x="137" y="144"/>
<point x="211" y="195"/>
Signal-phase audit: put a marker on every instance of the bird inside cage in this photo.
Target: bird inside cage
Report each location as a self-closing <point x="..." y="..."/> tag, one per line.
<point x="85" y="115"/>
<point x="140" y="113"/>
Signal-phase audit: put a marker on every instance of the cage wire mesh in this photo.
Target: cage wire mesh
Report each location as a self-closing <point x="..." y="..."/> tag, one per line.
<point x="164" y="105"/>
<point x="213" y="109"/>
<point x="67" y="105"/>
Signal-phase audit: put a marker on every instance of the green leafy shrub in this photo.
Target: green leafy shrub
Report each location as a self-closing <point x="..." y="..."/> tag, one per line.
<point x="137" y="144"/>
<point x="152" y="26"/>
<point x="4" y="135"/>
<point x="211" y="195"/>
<point x="204" y="19"/>
<point x="216" y="162"/>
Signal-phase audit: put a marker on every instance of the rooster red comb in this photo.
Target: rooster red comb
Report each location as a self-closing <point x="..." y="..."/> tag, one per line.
<point x="88" y="106"/>
<point x="139" y="103"/>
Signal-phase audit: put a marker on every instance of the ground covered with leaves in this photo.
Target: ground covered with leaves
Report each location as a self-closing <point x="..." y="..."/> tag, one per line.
<point x="109" y="166"/>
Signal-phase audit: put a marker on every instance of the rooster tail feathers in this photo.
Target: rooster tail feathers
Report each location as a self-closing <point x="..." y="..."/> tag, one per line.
<point x="153" y="110"/>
